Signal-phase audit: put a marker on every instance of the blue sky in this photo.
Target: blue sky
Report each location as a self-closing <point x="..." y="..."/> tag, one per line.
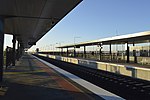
<point x="94" y="19"/>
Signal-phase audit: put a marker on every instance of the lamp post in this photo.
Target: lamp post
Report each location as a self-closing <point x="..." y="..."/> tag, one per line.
<point x="75" y="46"/>
<point x="59" y="44"/>
<point x="52" y="48"/>
<point x="75" y="40"/>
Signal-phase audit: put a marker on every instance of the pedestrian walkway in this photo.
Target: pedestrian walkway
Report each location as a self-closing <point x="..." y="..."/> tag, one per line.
<point x="33" y="80"/>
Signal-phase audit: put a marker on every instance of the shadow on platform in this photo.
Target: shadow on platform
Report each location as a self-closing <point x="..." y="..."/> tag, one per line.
<point x="32" y="80"/>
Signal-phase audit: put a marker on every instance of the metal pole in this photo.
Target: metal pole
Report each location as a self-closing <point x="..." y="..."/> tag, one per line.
<point x="100" y="55"/>
<point x="127" y="53"/>
<point x="67" y="52"/>
<point x="61" y="51"/>
<point x="53" y="49"/>
<point x="84" y="52"/>
<point x="148" y="48"/>
<point x="134" y="53"/>
<point x="1" y="47"/>
<point x="18" y="45"/>
<point x="74" y="51"/>
<point x="75" y="46"/>
<point x="14" y="50"/>
<point x="100" y="51"/>
<point x="110" y="52"/>
<point x="18" y="49"/>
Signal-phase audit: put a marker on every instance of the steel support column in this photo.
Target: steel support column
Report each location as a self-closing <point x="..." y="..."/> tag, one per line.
<point x="134" y="54"/>
<point x="67" y="52"/>
<point x="110" y="53"/>
<point x="100" y="51"/>
<point x="18" y="51"/>
<point x="84" y="52"/>
<point x="74" y="51"/>
<point x="127" y="53"/>
<point x="14" y="50"/>
<point x="18" y="45"/>
<point x="22" y="49"/>
<point x="1" y="47"/>
<point x="62" y="52"/>
<point x="100" y="54"/>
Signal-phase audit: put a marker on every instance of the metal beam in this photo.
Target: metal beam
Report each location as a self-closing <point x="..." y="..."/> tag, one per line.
<point x="32" y="17"/>
<point x="1" y="47"/>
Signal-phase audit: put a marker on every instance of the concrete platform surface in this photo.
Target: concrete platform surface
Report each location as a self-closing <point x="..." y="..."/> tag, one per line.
<point x="33" y="80"/>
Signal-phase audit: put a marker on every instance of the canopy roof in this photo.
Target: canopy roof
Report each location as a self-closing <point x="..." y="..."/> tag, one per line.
<point x="29" y="20"/>
<point x="130" y="38"/>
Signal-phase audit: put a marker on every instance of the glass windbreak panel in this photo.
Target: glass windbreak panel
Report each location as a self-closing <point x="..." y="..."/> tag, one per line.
<point x="97" y="51"/>
<point x="140" y="49"/>
<point x="79" y="52"/>
<point x="91" y="52"/>
<point x="105" y="56"/>
<point x="140" y="52"/>
<point x="118" y="52"/>
<point x="121" y="52"/>
<point x="114" y="52"/>
<point x="71" y="52"/>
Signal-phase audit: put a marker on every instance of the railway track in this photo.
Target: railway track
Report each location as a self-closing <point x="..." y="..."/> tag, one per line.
<point x="124" y="86"/>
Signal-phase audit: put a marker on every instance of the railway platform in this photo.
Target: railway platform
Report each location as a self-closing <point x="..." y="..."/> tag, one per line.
<point x="31" y="79"/>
